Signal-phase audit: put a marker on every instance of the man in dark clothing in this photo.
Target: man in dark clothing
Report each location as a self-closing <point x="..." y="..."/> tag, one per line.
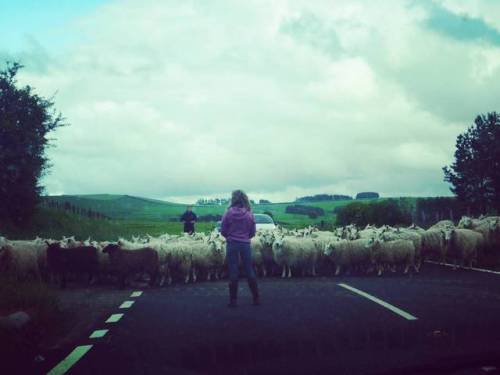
<point x="189" y="218"/>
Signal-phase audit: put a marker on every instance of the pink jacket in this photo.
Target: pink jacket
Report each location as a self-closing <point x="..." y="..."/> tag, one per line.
<point x="238" y="224"/>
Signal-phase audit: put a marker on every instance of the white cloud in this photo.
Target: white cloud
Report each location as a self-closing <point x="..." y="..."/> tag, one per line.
<point x="188" y="99"/>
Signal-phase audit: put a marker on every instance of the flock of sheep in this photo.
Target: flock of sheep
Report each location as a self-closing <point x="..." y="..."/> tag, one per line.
<point x="281" y="252"/>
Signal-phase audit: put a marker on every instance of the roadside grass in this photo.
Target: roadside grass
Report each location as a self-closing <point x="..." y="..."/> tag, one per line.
<point x="26" y="295"/>
<point x="41" y="303"/>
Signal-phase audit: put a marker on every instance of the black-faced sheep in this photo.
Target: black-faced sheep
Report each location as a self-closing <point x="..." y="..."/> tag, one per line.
<point x="125" y="262"/>
<point x="76" y="260"/>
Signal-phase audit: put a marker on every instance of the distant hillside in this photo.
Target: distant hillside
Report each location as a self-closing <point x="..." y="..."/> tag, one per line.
<point x="126" y="207"/>
<point x="123" y="206"/>
<point x="139" y="216"/>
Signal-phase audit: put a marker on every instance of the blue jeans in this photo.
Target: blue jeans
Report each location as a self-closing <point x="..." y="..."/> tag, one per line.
<point x="234" y="250"/>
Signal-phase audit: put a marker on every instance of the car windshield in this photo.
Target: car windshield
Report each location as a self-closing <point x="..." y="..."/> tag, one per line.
<point x="263" y="219"/>
<point x="364" y="137"/>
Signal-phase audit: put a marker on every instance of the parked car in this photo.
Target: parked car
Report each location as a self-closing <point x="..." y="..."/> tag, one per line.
<point x="262" y="221"/>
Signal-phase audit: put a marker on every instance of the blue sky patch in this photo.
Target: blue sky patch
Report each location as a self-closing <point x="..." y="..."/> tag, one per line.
<point x="461" y="27"/>
<point x="48" y="22"/>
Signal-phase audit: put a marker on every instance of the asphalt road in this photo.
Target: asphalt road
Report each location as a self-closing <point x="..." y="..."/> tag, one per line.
<point x="449" y="322"/>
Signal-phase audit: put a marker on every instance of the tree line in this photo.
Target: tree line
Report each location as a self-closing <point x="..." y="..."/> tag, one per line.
<point x="224" y="201"/>
<point x="336" y="197"/>
<point x="69" y="207"/>
<point x="312" y="212"/>
<point x="425" y="212"/>
<point x="385" y="212"/>
<point x="323" y="197"/>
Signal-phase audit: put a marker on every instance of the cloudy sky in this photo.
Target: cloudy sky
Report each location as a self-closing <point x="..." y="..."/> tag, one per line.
<point x="185" y="99"/>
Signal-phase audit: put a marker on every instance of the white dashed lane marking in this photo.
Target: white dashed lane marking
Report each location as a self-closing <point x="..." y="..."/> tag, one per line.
<point x="114" y="318"/>
<point x="77" y="353"/>
<point x="98" y="333"/>
<point x="70" y="360"/>
<point x="388" y="306"/>
<point x="126" y="304"/>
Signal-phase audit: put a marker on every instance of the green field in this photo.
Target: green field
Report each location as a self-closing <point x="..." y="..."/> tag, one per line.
<point x="125" y="207"/>
<point x="51" y="223"/>
<point x="130" y="216"/>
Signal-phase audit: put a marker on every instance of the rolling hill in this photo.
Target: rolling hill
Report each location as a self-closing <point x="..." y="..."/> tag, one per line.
<point x="129" y="215"/>
<point x="127" y="207"/>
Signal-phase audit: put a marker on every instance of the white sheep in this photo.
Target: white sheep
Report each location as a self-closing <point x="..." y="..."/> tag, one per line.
<point x="370" y="232"/>
<point x="268" y="258"/>
<point x="217" y="254"/>
<point x="291" y="251"/>
<point x="407" y="234"/>
<point x="443" y="224"/>
<point x="416" y="228"/>
<point x="24" y="259"/>
<point x="464" y="246"/>
<point x="393" y="253"/>
<point x="434" y="243"/>
<point x="347" y="254"/>
<point x="69" y="242"/>
<point x="129" y="245"/>
<point x="322" y="238"/>
<point x="311" y="252"/>
<point x="200" y="258"/>
<point x="489" y="227"/>
<point x="350" y="232"/>
<point x="207" y="256"/>
<point x="257" y="244"/>
<point x="176" y="257"/>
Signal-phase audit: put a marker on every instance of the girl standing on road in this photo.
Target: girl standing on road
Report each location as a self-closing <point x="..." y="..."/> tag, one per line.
<point x="238" y="227"/>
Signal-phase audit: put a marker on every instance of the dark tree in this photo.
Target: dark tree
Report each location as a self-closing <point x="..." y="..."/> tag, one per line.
<point x="475" y="173"/>
<point x="389" y="211"/>
<point x="25" y="121"/>
<point x="367" y="195"/>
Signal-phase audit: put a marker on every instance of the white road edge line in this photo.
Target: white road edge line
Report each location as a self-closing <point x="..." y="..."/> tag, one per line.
<point x="126" y="304"/>
<point x="114" y="318"/>
<point x="465" y="268"/>
<point x="394" y="309"/>
<point x="70" y="360"/>
<point x="137" y="293"/>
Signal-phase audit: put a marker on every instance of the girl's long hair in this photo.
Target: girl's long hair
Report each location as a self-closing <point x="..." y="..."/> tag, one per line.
<point x="239" y="199"/>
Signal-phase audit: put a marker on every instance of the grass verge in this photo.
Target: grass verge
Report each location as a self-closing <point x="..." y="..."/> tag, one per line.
<point x="19" y="347"/>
